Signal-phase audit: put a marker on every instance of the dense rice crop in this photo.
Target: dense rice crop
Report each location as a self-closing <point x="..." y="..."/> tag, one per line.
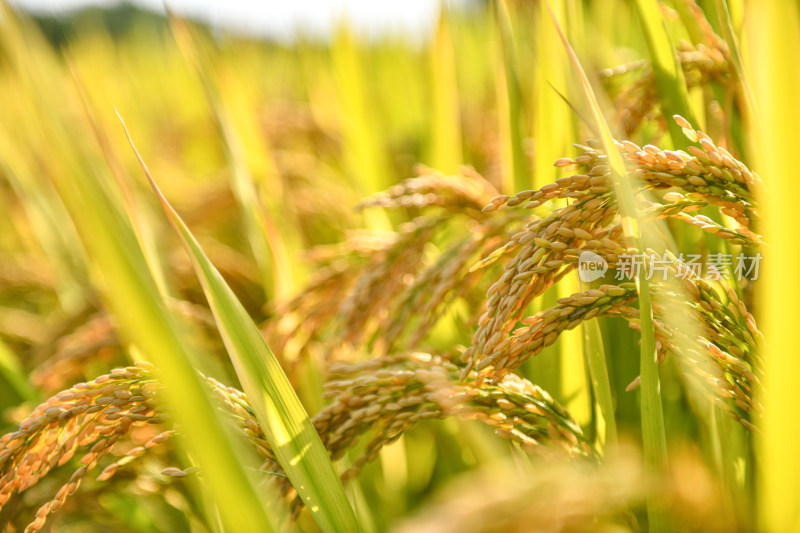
<point x="512" y="276"/>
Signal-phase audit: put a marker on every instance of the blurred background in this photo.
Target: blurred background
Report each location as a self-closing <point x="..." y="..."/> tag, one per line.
<point x="280" y="20"/>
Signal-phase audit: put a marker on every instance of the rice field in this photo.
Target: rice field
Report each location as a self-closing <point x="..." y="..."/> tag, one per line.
<point x="529" y="270"/>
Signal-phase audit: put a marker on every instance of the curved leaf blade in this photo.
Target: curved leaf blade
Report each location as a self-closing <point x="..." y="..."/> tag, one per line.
<point x="285" y="422"/>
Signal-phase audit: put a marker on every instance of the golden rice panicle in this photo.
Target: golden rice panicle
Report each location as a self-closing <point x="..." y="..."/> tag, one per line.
<point x="678" y="207"/>
<point x="384" y="397"/>
<point x="391" y="394"/>
<point x="547" y="249"/>
<point x="68" y="489"/>
<point x="544" y="328"/>
<point x="709" y="173"/>
<point x="135" y="453"/>
<point x="556" y="241"/>
<point x="349" y="299"/>
<point x="305" y="319"/>
<point x="91" y="416"/>
<point x="384" y="278"/>
<point x="732" y="341"/>
<point x="447" y="279"/>
<point x="722" y="356"/>
<point x="466" y="193"/>
<point x="234" y="404"/>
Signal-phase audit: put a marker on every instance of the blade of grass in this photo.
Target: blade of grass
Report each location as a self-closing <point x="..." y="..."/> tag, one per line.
<point x="120" y="271"/>
<point x="364" y="157"/>
<point x="446" y="152"/>
<point x="736" y="56"/>
<point x="553" y="135"/>
<point x="135" y="208"/>
<point x="773" y="46"/>
<point x="653" y="433"/>
<point x="290" y="432"/>
<point x="690" y="22"/>
<point x="553" y="119"/>
<point x="670" y="82"/>
<point x="515" y="173"/>
<point x="601" y="385"/>
<point x="575" y="375"/>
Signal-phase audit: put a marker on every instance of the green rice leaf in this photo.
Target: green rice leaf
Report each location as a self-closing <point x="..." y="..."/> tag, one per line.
<point x="667" y="71"/>
<point x="446" y="153"/>
<point x="281" y="415"/>
<point x="120" y="270"/>
<point x="773" y="46"/>
<point x="598" y="372"/>
<point x="653" y="432"/>
<point x="515" y="173"/>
